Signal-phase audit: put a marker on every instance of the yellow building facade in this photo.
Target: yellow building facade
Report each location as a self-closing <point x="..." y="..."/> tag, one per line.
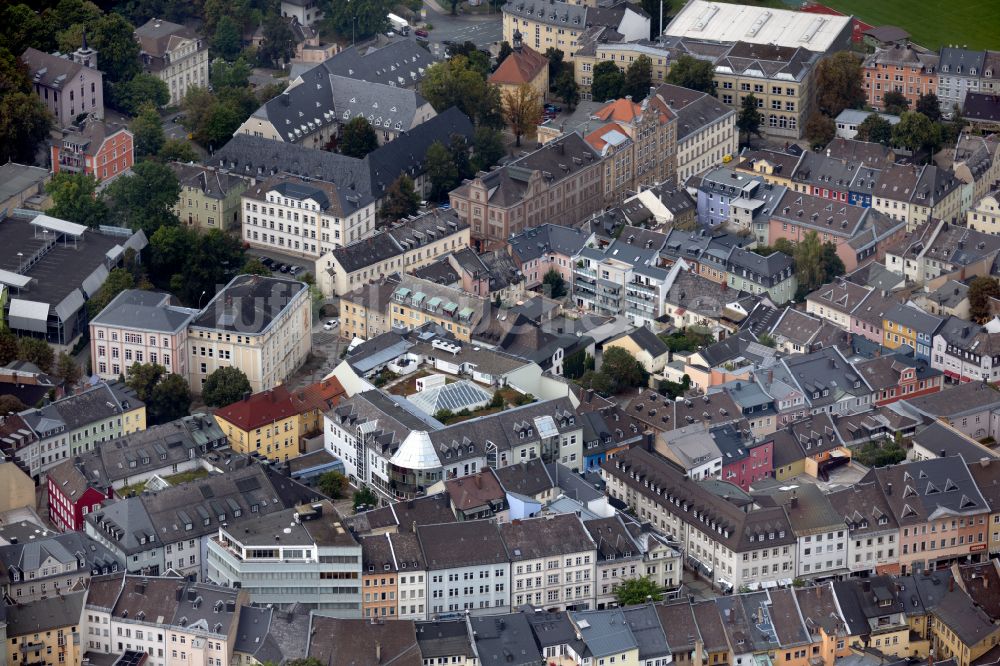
<point x="266" y="423"/>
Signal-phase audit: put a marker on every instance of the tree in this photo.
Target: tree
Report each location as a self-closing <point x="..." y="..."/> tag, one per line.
<point x="487" y="148"/>
<point x="10" y="404"/>
<point x="67" y="369"/>
<point x="24" y="120"/>
<point x="981" y="290"/>
<point x="839" y="83"/>
<point x="215" y="259"/>
<point x="177" y="150"/>
<point x="454" y="82"/>
<point x="278" y="44"/>
<point x="74" y="199"/>
<point x="170" y="400"/>
<point x="37" y="351"/>
<point x="490" y="111"/>
<point x="365" y="496"/>
<point x="225" y="386"/>
<point x="876" y="129"/>
<point x="554" y="284"/>
<point x="895" y="102"/>
<point x="332" y="484"/>
<point x="816" y="262"/>
<point x="749" y="120"/>
<point x="147" y="132"/>
<point x="370" y="14"/>
<point x="929" y="105"/>
<point x="145" y="199"/>
<point x="112" y="38"/>
<point x="118" y="280"/>
<point x="633" y="591"/>
<point x="690" y="72"/>
<point x="8" y="347"/>
<point x="567" y="90"/>
<point x="639" y="78"/>
<point x="255" y="266"/>
<point x="555" y="57"/>
<point x="358" y="138"/>
<point x="608" y="82"/>
<point x="523" y="110"/>
<point x="577" y="363"/>
<point x="143" y="378"/>
<point x="598" y="381"/>
<point x="401" y="200"/>
<point x="623" y="369"/>
<point x="505" y="50"/>
<point x="479" y="60"/>
<point x="441" y="171"/>
<point x="820" y="130"/>
<point x="231" y="75"/>
<point x="22" y="27"/>
<point x="226" y="39"/>
<point x="915" y="132"/>
<point x="139" y="91"/>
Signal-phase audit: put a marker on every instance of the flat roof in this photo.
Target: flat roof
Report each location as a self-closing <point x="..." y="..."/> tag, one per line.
<point x="248" y="304"/>
<point x="725" y="22"/>
<point x="16" y="178"/>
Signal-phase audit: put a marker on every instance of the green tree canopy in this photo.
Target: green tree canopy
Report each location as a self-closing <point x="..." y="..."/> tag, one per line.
<point x="690" y="72"/>
<point x="74" y="199"/>
<point x="981" y="290"/>
<point x="455" y="82"/>
<point x="225" y="386"/>
<point x="895" y="102"/>
<point x="147" y="132"/>
<point x="505" y="50"/>
<point x="555" y="57"/>
<point x="839" y="83"/>
<point x="487" y="148"/>
<point x="929" y="105"/>
<point x="358" y="137"/>
<point x="139" y="91"/>
<point x="359" y="19"/>
<point x="37" y="351"/>
<point x="554" y="284"/>
<point x="608" y="82"/>
<point x="67" y="369"/>
<point x="624" y="369"/>
<point x="876" y="129"/>
<point x="177" y="150"/>
<point x="226" y="40"/>
<point x="639" y="78"/>
<point x="145" y="199"/>
<point x="24" y="120"/>
<point x="332" y="484"/>
<point x="523" y="110"/>
<point x="171" y="399"/>
<point x="278" y="44"/>
<point x="820" y="130"/>
<point x="118" y="281"/>
<point x="255" y="266"/>
<point x="916" y="132"/>
<point x="10" y="404"/>
<point x="441" y="171"/>
<point x="231" y="75"/>
<point x="567" y="90"/>
<point x="22" y="27"/>
<point x="633" y="591"/>
<point x="143" y="377"/>
<point x="365" y="496"/>
<point x="401" y="199"/>
<point x="750" y="118"/>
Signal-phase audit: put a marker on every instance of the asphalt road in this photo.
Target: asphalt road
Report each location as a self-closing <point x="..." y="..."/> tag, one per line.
<point x="483" y="31"/>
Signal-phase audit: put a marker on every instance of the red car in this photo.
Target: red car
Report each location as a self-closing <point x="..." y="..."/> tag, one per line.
<point x="420" y="32"/>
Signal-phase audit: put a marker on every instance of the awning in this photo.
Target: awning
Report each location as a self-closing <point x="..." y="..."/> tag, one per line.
<point x="28" y="315"/>
<point x="59" y="226"/>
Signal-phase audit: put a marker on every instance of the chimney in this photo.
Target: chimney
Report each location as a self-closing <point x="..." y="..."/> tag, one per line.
<point x="951" y="584"/>
<point x="888" y="489"/>
<point x="378" y="652"/>
<point x="943" y="454"/>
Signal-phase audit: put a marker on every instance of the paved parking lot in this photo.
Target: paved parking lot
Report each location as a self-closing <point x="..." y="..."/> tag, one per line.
<point x="306" y="265"/>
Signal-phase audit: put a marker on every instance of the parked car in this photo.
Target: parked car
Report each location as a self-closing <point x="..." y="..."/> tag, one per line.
<point x="267" y="261"/>
<point x="294" y="270"/>
<point x="420" y="32"/>
<point x="445" y="206"/>
<point x="552" y="108"/>
<point x="283" y="268"/>
<point x="330" y="325"/>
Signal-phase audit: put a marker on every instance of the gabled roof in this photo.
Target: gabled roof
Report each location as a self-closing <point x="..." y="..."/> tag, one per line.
<point x="929" y="489"/>
<point x="547" y="536"/>
<point x="521" y="66"/>
<point x="644" y="339"/>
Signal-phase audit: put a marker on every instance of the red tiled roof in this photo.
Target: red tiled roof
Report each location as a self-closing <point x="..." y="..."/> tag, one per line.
<point x="520" y="67"/>
<point x="321" y="396"/>
<point x="623" y="109"/>
<point x="260" y="409"/>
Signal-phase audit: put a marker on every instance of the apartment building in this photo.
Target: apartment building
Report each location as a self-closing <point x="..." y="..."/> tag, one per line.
<point x="939" y="249"/>
<point x="261" y="325"/>
<point x="46" y="632"/>
<point x="140" y="326"/>
<point x="95" y="148"/>
<point x="872" y="531"/>
<point x="209" y="199"/>
<point x="562" y="25"/>
<point x="303" y="217"/>
<point x="296" y="556"/>
<point x="468" y="567"/>
<point x="415" y="301"/>
<point x="638" y="142"/>
<point x="174" y="54"/>
<point x="835" y="301"/>
<point x="46" y="564"/>
<point x="960" y="71"/>
<point x="728" y="546"/>
<point x="965" y="352"/>
<point x="364" y="312"/>
<point x="985" y="216"/>
<point x="902" y="68"/>
<point x="548" y="247"/>
<point x="552" y="562"/>
<point x="916" y="194"/>
<point x="560" y="183"/>
<point x="903" y="325"/>
<point x="706" y="129"/>
<point x="401" y="248"/>
<point x="602" y="45"/>
<point x="74" y="424"/>
<point x="69" y="85"/>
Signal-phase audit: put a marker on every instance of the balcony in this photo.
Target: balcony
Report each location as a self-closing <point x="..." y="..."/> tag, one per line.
<point x="586" y="272"/>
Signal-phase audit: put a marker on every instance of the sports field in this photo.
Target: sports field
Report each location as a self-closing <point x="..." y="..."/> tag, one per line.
<point x="932" y="23"/>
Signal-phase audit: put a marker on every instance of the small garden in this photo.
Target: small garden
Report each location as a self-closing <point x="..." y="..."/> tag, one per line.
<point x="880" y="453"/>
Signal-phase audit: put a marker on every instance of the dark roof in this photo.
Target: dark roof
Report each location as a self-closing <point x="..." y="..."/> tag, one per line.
<point x="50" y="70"/>
<point x="864" y="508"/>
<point x="58" y="612"/>
<point x="785" y="617"/>
<point x="505" y="640"/>
<point x="922" y="490"/>
<point x="939" y="439"/>
<point x="475" y="491"/>
<point x="401" y="237"/>
<point x="983" y="107"/>
<point x="465" y="544"/>
<point x="645" y="340"/>
<point x="443" y="638"/>
<point x="644" y="622"/>
<point x="548" y="536"/>
<point x="249" y="304"/>
<point x="710" y="626"/>
<point x="694" y="109"/>
<point x="679" y="625"/>
<point x="340" y="642"/>
<point x="212" y="182"/>
<point x="528" y="478"/>
<point x="399" y="59"/>
<point x="887" y="33"/>
<point x="956" y="400"/>
<point x="148" y="310"/>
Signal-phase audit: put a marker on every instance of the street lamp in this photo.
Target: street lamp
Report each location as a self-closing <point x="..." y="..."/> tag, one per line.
<point x="354" y="22"/>
<point x="20" y="256"/>
<point x="204" y="291"/>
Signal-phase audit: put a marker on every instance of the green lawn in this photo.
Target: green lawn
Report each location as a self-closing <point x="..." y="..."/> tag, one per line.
<point x="932" y="23"/>
<point x="186" y="477"/>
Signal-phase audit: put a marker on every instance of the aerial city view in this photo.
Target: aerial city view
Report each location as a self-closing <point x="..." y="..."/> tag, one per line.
<point x="500" y="332"/>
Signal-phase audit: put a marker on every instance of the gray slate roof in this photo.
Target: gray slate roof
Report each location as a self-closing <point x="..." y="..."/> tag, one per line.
<point x="145" y="310"/>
